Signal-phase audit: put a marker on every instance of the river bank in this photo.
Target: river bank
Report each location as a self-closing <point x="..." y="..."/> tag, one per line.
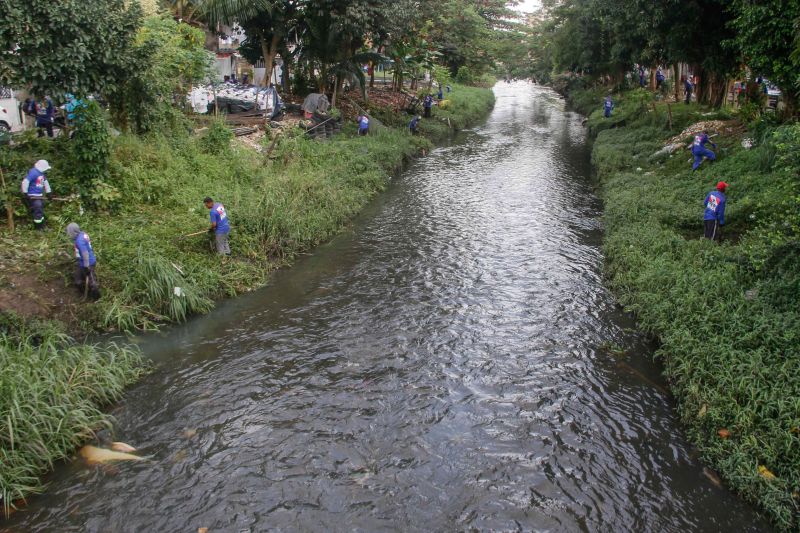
<point x="726" y="314"/>
<point x="279" y="207"/>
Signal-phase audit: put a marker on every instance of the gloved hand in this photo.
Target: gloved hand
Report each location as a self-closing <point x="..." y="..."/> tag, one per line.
<point x="49" y="196"/>
<point x="85" y="271"/>
<point x="210" y="231"/>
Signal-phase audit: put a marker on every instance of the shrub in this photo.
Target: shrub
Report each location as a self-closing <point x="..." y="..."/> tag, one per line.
<point x="91" y="148"/>
<point x="217" y="139"/>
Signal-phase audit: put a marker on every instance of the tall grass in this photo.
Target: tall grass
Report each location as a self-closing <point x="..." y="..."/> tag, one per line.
<point x="726" y="315"/>
<point x="51" y="393"/>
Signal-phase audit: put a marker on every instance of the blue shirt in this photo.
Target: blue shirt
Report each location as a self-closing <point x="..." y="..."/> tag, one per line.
<point x="84" y="245"/>
<point x="715" y="207"/>
<point x="700" y="141"/>
<point x="608" y="104"/>
<point x="428" y="101"/>
<point x="37" y="184"/>
<point x="413" y="124"/>
<point x="220" y="217"/>
<point x="363" y="122"/>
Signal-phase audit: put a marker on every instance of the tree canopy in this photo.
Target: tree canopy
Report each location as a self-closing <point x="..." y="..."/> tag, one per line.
<point x="58" y="46"/>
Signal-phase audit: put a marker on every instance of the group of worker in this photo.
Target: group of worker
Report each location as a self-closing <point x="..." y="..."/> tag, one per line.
<point x="428" y="102"/>
<point x="35" y="189"/>
<point x="44" y="113"/>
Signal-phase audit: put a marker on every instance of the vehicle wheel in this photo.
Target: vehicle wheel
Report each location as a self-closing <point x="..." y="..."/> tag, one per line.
<point x="4" y="127"/>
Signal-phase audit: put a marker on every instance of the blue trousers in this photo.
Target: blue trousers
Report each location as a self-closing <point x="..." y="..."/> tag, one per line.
<point x="607" y="113"/>
<point x="699" y="153"/>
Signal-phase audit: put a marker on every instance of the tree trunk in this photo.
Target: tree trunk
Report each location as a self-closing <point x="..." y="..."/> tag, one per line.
<point x="287" y="86"/>
<point x="268" y="51"/>
<point x="8" y="206"/>
<point x="676" y="70"/>
<point x="371" y="74"/>
<point x="335" y="90"/>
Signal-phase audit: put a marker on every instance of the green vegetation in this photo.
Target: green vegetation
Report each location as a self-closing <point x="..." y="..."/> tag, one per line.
<point x="51" y="390"/>
<point x="726" y="314"/>
<point x="718" y="41"/>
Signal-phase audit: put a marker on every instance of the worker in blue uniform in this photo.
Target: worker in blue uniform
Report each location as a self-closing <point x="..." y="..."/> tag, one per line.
<point x="363" y="124"/>
<point x="85" y="277"/>
<point x="688" y="87"/>
<point x="413" y="126"/>
<point x="699" y="150"/>
<point x="45" y="117"/>
<point x="427" y="104"/>
<point x="608" y="106"/>
<point x="35" y="188"/>
<point x="220" y="225"/>
<point x="714" y="214"/>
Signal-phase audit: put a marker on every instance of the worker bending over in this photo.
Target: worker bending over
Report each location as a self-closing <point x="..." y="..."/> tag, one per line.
<point x="85" y="277"/>
<point x="220" y="226"/>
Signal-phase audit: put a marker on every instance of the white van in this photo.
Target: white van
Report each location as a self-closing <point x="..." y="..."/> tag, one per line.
<point x="10" y="111"/>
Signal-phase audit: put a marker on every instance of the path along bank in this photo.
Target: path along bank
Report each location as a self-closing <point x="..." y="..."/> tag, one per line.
<point x="279" y="207"/>
<point x="726" y="314"/>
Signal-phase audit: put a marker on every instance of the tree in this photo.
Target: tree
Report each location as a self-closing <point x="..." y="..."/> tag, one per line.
<point x="767" y="35"/>
<point x="58" y="46"/>
<point x="265" y="22"/>
<point x="171" y="58"/>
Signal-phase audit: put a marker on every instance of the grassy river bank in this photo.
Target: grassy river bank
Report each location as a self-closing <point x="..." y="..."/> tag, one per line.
<point x="279" y="207"/>
<point x="726" y="314"/>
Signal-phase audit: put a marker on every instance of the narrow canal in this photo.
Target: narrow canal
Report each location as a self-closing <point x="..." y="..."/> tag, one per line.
<point x="443" y="366"/>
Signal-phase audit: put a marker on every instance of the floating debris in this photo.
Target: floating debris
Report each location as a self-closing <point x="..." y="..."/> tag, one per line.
<point x="724" y="433"/>
<point x="95" y="455"/>
<point x="712" y="476"/>
<point x="122" y="447"/>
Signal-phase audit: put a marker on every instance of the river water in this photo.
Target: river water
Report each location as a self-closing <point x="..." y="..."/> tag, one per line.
<point x="443" y="366"/>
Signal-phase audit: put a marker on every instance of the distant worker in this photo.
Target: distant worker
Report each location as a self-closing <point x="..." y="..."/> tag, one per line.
<point x="688" y="87"/>
<point x="641" y="77"/>
<point x="608" y="105"/>
<point x="363" y="124"/>
<point x="699" y="150"/>
<point x="448" y="88"/>
<point x="85" y="277"/>
<point x="246" y="78"/>
<point x="45" y="117"/>
<point x="440" y="96"/>
<point x="427" y="104"/>
<point x="220" y="226"/>
<point x="71" y="107"/>
<point x="414" y="124"/>
<point x="34" y="188"/>
<point x="659" y="78"/>
<point x="714" y="215"/>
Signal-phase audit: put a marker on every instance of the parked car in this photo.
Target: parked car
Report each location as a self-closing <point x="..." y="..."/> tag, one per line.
<point x="10" y="112"/>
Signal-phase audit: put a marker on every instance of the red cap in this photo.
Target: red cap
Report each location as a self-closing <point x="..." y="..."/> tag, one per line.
<point x="721" y="186"/>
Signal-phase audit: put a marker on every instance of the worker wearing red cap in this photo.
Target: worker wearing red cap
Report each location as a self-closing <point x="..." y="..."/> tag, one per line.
<point x="714" y="215"/>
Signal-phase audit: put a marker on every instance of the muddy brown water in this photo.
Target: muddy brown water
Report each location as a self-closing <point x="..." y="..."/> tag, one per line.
<point x="443" y="366"/>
